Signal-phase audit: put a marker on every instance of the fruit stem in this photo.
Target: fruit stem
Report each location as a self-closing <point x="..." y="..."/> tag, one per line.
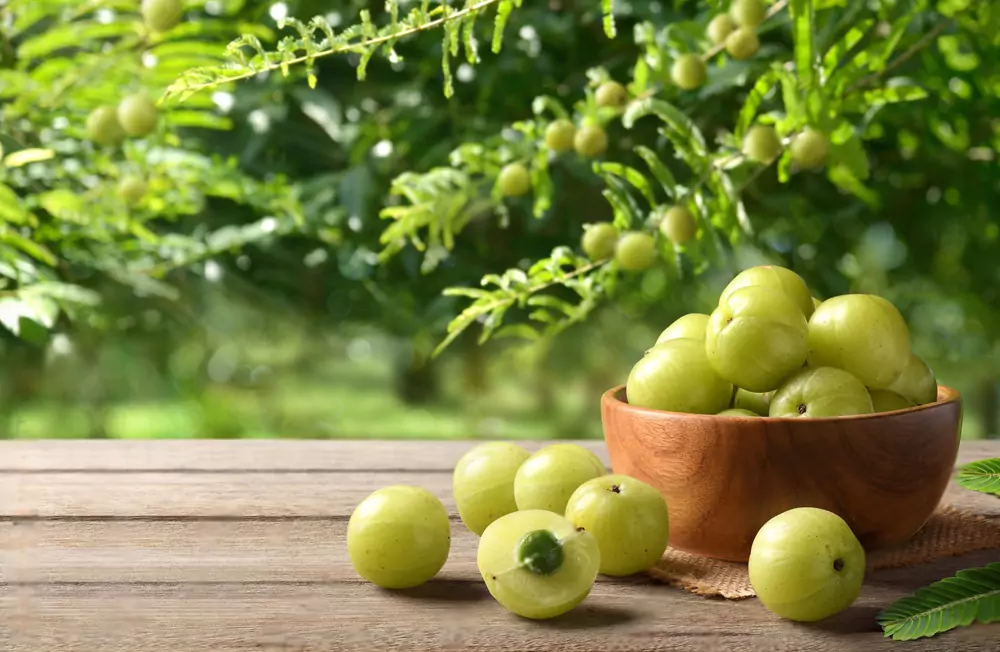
<point x="540" y="552"/>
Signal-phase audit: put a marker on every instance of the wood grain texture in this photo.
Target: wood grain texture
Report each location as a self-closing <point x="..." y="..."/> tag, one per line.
<point x="235" y="558"/>
<point x="725" y="477"/>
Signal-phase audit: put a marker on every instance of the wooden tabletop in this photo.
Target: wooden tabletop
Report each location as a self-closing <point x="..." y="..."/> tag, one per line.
<point x="184" y="546"/>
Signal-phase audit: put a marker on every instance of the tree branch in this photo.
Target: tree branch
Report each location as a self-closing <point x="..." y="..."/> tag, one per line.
<point x="923" y="42"/>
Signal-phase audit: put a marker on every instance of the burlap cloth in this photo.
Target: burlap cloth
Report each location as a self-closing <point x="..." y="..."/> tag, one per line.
<point x="950" y="532"/>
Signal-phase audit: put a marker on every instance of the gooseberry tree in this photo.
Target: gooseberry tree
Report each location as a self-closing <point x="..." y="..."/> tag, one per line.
<point x="816" y="88"/>
<point x="103" y="189"/>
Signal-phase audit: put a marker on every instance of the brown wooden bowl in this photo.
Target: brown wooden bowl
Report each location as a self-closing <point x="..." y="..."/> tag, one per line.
<point x="723" y="477"/>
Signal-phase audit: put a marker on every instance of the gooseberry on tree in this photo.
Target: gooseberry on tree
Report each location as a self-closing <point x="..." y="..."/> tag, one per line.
<point x="590" y="141"/>
<point x="103" y="127"/>
<point x="611" y="94"/>
<point x="559" y="135"/>
<point x="689" y="71"/>
<point x="137" y="115"/>
<point x="810" y="148"/>
<point x="747" y="13"/>
<point x="678" y="224"/>
<point x="742" y="43"/>
<point x="636" y="251"/>
<point x="514" y="180"/>
<point x="162" y="15"/>
<point x="719" y="28"/>
<point x="599" y="240"/>
<point x="761" y="143"/>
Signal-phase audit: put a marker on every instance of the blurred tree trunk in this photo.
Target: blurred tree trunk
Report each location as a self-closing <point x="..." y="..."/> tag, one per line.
<point x="416" y="379"/>
<point x="474" y="362"/>
<point x="989" y="407"/>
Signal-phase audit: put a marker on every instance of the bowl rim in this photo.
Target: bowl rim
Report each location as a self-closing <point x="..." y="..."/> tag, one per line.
<point x="946" y="395"/>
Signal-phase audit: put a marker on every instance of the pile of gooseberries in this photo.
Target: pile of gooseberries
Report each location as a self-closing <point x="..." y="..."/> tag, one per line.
<point x="548" y="523"/>
<point x="770" y="349"/>
<point x="551" y="521"/>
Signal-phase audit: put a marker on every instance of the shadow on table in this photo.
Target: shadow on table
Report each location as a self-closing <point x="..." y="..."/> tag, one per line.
<point x="853" y="620"/>
<point x="591" y="618"/>
<point x="444" y="591"/>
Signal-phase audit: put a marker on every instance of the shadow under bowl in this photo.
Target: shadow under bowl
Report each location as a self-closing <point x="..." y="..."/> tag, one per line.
<point x="723" y="477"/>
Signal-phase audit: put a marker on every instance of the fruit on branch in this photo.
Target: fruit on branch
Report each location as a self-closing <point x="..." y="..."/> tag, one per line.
<point x="885" y="401"/>
<point x="590" y="141"/>
<point x="627" y="516"/>
<point x="103" y="127"/>
<point x="761" y="143"/>
<point x="162" y="15"/>
<point x="611" y="94"/>
<point x="719" y="28"/>
<point x="806" y="564"/>
<point x="756" y="338"/>
<point x="399" y="536"/>
<point x="863" y="334"/>
<point x="742" y="43"/>
<point x="691" y="325"/>
<point x="636" y="251"/>
<point x="748" y="13"/>
<point x="132" y="189"/>
<point x="559" y="135"/>
<point x="537" y="564"/>
<point x="916" y="383"/>
<point x="483" y="483"/>
<point x="514" y="180"/>
<point x="689" y="71"/>
<point x="599" y="240"/>
<point x="550" y="475"/>
<point x="676" y="375"/>
<point x="820" y="392"/>
<point x="775" y="276"/>
<point x="810" y="148"/>
<point x="137" y="115"/>
<point x="678" y="224"/>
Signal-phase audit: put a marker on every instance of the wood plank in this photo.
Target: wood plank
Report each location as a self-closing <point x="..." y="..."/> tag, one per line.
<point x="443" y="614"/>
<point x="244" y="455"/>
<point x="193" y="496"/>
<point x="183" y="551"/>
<point x="267" y="455"/>
<point x="202" y="495"/>
<point x="293" y="550"/>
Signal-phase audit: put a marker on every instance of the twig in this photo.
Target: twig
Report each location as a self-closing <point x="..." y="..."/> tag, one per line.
<point x="715" y="49"/>
<point x="924" y="41"/>
<point x="350" y="47"/>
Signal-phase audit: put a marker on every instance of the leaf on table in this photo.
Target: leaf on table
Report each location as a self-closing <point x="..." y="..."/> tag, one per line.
<point x="971" y="595"/>
<point x="983" y="475"/>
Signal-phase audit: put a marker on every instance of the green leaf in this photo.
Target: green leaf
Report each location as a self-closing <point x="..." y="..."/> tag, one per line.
<point x="680" y="125"/>
<point x="983" y="476"/>
<point x="608" y="7"/>
<point x="895" y="92"/>
<point x="25" y="156"/>
<point x="33" y="249"/>
<point x="802" y="30"/>
<point x="11" y="209"/>
<point x="971" y="595"/>
<point x="748" y="112"/>
<point x="629" y="174"/>
<point x="659" y="170"/>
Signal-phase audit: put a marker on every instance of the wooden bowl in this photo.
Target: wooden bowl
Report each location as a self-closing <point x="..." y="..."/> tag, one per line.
<point x="723" y="477"/>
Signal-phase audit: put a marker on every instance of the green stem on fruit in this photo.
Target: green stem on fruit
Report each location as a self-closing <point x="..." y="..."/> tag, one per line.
<point x="540" y="552"/>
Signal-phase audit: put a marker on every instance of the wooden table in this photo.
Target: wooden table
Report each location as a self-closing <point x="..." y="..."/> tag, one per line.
<point x="184" y="546"/>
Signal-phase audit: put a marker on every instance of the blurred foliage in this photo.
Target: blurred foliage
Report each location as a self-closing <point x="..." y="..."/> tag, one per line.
<point x="308" y="179"/>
